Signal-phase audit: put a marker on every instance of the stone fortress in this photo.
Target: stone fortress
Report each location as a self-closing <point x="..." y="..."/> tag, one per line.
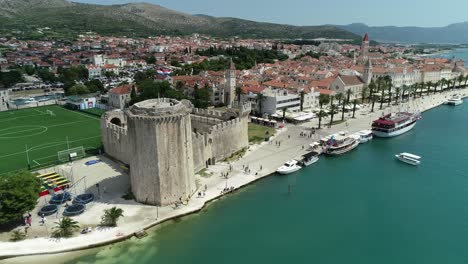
<point x="165" y="142"/>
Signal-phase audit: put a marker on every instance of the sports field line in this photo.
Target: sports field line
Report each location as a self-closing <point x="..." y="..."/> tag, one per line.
<point x="36" y="162"/>
<point x="40" y="112"/>
<point x="47" y="146"/>
<point x="18" y="117"/>
<point x="14" y="132"/>
<point x="78" y="113"/>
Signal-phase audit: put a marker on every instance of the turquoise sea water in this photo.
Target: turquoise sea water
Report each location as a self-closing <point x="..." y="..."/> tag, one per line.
<point x="364" y="207"/>
<point x="458" y="53"/>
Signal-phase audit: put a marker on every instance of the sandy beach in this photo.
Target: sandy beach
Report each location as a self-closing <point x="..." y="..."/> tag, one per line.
<point x="261" y="160"/>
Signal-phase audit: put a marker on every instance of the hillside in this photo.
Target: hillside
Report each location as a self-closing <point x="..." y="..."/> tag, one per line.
<point x="142" y="19"/>
<point x="451" y="34"/>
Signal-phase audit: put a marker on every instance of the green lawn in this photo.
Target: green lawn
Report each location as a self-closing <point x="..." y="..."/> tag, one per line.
<point x="257" y="133"/>
<point x="43" y="135"/>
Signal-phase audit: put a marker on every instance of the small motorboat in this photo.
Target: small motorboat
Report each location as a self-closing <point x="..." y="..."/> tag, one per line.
<point x="454" y="100"/>
<point x="310" y="158"/>
<point x="289" y="167"/>
<point x="365" y="136"/>
<point x="409" y="158"/>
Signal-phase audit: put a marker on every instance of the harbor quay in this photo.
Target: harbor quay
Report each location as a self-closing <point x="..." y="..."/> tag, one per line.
<point x="259" y="161"/>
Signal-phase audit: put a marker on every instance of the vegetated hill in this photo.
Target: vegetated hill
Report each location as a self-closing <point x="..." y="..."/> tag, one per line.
<point x="451" y="34"/>
<point x="142" y="19"/>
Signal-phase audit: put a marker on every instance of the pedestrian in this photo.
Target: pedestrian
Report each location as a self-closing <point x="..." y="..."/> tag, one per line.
<point x="249" y="171"/>
<point x="289" y="136"/>
<point x="302" y="147"/>
<point x="261" y="167"/>
<point x="206" y="187"/>
<point x="30" y="220"/>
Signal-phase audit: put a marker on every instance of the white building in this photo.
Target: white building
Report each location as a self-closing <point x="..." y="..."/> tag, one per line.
<point x="344" y="83"/>
<point x="98" y="60"/>
<point x="94" y="71"/>
<point x="119" y="97"/>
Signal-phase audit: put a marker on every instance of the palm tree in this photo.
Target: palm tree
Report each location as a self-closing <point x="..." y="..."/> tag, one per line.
<point x="429" y="85"/>
<point x="323" y="100"/>
<point x="397" y="94"/>
<point x="321" y="114"/>
<point x="284" y="113"/>
<point x="460" y="79"/>
<point x="111" y="216"/>
<point x="364" y="92"/>
<point x="302" y="100"/>
<point x="465" y="79"/>
<point x="381" y="88"/>
<point x="404" y="88"/>
<point x="436" y="84"/>
<point x="239" y="92"/>
<point x="17" y="235"/>
<point x="260" y="99"/>
<point x="332" y="109"/>
<point x="348" y="95"/>
<point x="354" y="106"/>
<point x="421" y="86"/>
<point x="371" y="94"/>
<point x="339" y="96"/>
<point x="65" y="227"/>
<point x="442" y="83"/>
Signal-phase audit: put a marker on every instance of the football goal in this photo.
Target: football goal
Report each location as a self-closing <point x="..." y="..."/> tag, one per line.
<point x="71" y="154"/>
<point x="50" y="112"/>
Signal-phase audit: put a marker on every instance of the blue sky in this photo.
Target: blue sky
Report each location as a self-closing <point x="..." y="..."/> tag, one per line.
<point x="425" y="13"/>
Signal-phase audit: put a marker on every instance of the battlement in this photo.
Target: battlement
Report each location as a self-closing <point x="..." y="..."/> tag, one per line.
<point x="207" y="112"/>
<point x="243" y="108"/>
<point x="120" y="130"/>
<point x="225" y="125"/>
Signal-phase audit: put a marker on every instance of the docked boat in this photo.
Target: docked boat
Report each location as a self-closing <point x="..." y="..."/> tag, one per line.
<point x="289" y="167"/>
<point x="454" y="100"/>
<point x="365" y="136"/>
<point x="338" y="145"/>
<point x="394" y="124"/>
<point x="409" y="158"/>
<point x="310" y="158"/>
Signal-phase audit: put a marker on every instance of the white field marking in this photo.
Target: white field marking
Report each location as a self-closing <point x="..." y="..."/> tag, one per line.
<point x="40" y="111"/>
<point x="36" y="162"/>
<point x="18" y="117"/>
<point x="46" y="145"/>
<point x="26" y="130"/>
<point x="78" y="113"/>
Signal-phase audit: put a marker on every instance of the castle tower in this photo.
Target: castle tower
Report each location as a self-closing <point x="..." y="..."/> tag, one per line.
<point x="161" y="163"/>
<point x="367" y="76"/>
<point x="230" y="84"/>
<point x="365" y="48"/>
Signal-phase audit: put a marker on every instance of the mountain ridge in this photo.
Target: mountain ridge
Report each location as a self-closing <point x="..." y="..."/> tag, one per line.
<point x="455" y="33"/>
<point x="145" y="19"/>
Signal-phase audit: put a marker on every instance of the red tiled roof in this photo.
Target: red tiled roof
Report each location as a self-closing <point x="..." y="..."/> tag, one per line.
<point x="123" y="89"/>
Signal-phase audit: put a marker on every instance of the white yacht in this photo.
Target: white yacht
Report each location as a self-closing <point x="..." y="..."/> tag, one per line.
<point x="365" y="136"/>
<point x="289" y="167"/>
<point x="310" y="158"/>
<point x="409" y="158"/>
<point x="454" y="100"/>
<point x="339" y="144"/>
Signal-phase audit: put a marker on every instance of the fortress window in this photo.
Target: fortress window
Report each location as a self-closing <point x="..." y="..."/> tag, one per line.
<point x="116" y="121"/>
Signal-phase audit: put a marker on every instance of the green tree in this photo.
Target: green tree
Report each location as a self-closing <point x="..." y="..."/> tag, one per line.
<point x="324" y="99"/>
<point x="29" y="69"/>
<point x="364" y="92"/>
<point x="321" y="114"/>
<point x="372" y="88"/>
<point x="239" y="93"/>
<point x="460" y="79"/>
<point x="443" y="83"/>
<point x="18" y="195"/>
<point x="284" y="113"/>
<point x="65" y="227"/>
<point x="388" y="84"/>
<point x="46" y="75"/>
<point x="17" y="235"/>
<point x="202" y="97"/>
<point x="111" y="216"/>
<point x="179" y="86"/>
<point x="354" y="106"/>
<point x="151" y="60"/>
<point x="10" y="78"/>
<point x="339" y="96"/>
<point x="78" y="89"/>
<point x="381" y="88"/>
<point x="140" y="77"/>
<point x="95" y="85"/>
<point x="332" y="114"/>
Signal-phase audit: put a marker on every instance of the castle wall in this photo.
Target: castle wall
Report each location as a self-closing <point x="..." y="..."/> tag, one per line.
<point x="162" y="161"/>
<point x="115" y="138"/>
<point x="202" y="124"/>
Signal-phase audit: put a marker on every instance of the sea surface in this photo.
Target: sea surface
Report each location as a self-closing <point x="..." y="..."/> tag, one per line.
<point x="458" y="53"/>
<point x="365" y="207"/>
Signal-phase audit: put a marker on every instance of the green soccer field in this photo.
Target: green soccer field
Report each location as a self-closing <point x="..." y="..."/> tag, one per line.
<point x="38" y="134"/>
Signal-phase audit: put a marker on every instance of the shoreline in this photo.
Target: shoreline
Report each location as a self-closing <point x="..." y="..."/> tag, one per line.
<point x="241" y="180"/>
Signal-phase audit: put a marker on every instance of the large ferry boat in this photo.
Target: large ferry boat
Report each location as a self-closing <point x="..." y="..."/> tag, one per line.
<point x="394" y="124"/>
<point x="338" y="145"/>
